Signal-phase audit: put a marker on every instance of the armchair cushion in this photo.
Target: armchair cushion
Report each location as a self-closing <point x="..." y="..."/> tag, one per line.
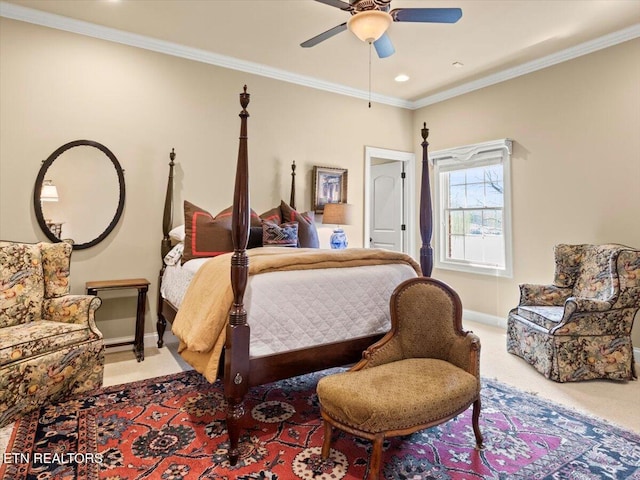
<point x="21" y="283"/>
<point x="39" y="337"/>
<point x="544" y="316"/>
<point x="397" y="395"/>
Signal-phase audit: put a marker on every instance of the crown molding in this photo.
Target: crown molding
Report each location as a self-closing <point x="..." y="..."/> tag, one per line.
<point x="59" y="22"/>
<point x="29" y="15"/>
<point x="562" y="56"/>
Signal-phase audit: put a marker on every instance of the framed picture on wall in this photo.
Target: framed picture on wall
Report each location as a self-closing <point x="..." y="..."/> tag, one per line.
<point x="329" y="186"/>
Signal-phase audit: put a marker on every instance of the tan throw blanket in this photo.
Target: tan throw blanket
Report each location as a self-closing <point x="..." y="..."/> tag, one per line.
<point x="202" y="317"/>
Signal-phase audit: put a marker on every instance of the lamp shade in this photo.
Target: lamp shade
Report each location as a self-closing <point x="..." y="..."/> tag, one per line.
<point x="337" y="214"/>
<point x="369" y="25"/>
<point x="49" y="192"/>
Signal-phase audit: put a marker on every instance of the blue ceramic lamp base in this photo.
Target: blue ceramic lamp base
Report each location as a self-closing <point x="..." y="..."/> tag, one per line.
<point x="338" y="239"/>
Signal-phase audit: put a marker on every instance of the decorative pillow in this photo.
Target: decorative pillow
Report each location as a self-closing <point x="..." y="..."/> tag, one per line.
<point x="23" y="284"/>
<point x="174" y="255"/>
<point x="227" y="213"/>
<point x="255" y="237"/>
<point x="56" y="265"/>
<point x="274" y="215"/>
<point x="307" y="231"/>
<point x="206" y="235"/>
<point x="274" y="235"/>
<point x="177" y="234"/>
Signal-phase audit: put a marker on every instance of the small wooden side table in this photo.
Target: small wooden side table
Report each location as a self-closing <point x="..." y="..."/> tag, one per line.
<point x="140" y="284"/>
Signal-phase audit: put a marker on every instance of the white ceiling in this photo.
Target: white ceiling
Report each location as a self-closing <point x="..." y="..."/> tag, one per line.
<point x="494" y="39"/>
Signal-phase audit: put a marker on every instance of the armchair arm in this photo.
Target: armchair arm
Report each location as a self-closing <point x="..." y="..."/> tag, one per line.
<point x="629" y="298"/>
<point x="79" y="309"/>
<point x="385" y="350"/>
<point x="465" y="353"/>
<point x="580" y="304"/>
<point x="531" y="294"/>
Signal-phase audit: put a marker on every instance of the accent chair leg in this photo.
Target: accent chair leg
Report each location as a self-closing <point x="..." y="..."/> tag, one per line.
<point x="376" y="458"/>
<point x="476" y="424"/>
<point x="326" y="444"/>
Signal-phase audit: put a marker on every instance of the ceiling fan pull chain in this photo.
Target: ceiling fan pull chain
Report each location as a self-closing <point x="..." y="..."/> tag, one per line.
<point x="370" y="47"/>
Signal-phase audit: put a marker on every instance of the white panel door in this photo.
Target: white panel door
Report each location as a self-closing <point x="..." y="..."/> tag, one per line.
<point x="387" y="206"/>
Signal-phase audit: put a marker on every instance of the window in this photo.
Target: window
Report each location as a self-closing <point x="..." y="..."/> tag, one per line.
<point x="473" y="208"/>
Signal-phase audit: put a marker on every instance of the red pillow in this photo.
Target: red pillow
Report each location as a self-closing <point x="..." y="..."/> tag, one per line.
<point x="206" y="235"/>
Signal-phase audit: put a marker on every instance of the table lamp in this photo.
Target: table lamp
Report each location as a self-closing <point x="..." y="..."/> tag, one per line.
<point x="337" y="214"/>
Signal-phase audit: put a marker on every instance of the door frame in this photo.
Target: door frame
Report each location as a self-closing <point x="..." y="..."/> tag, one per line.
<point x="409" y="189"/>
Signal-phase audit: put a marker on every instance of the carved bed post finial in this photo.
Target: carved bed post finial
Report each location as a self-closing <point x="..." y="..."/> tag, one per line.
<point x="292" y="199"/>
<point x="236" y="358"/>
<point x="426" y="214"/>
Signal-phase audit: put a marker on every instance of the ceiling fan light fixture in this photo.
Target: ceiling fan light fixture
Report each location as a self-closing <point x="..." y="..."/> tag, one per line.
<point x="369" y="25"/>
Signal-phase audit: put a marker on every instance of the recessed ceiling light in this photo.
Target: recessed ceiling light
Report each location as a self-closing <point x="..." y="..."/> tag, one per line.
<point x="402" y="78"/>
<point x="458" y="64"/>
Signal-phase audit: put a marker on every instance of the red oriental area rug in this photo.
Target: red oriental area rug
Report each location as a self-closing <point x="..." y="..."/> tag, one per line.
<point x="173" y="428"/>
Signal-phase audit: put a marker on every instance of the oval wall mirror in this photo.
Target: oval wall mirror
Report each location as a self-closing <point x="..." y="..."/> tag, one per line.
<point x="79" y="194"/>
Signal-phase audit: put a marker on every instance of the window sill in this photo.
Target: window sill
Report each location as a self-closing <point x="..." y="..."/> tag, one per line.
<point x="476" y="269"/>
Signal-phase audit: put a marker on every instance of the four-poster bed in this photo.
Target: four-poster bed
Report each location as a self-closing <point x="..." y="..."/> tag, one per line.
<point x="239" y="368"/>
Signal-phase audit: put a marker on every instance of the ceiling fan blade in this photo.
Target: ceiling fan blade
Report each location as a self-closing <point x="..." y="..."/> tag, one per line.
<point x="336" y="3"/>
<point x="431" y="15"/>
<point x="384" y="47"/>
<point x="324" y="35"/>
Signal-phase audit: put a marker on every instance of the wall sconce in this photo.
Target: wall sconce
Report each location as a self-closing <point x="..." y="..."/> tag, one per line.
<point x="338" y="214"/>
<point x="49" y="192"/>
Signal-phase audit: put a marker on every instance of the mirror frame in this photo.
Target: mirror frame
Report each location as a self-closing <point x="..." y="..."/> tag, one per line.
<point x="37" y="206"/>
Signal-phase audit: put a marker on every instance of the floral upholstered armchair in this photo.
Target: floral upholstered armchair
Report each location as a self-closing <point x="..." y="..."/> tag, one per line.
<point x="49" y="344"/>
<point x="579" y="328"/>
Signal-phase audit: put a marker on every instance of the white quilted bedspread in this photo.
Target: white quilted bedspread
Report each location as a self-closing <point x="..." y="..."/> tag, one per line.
<point x="298" y="309"/>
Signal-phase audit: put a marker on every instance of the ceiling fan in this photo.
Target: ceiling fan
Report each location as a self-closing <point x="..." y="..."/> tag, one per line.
<point x="370" y="20"/>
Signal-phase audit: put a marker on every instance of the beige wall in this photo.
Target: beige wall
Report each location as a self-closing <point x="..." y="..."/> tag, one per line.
<point x="575" y="163"/>
<point x="56" y="87"/>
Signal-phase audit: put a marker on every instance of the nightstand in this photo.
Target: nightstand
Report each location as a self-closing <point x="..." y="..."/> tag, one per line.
<point x="140" y="284"/>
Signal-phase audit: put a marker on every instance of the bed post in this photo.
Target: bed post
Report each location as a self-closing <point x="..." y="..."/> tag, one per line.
<point x="292" y="199"/>
<point x="426" y="214"/>
<point x="236" y="357"/>
<point x="165" y="246"/>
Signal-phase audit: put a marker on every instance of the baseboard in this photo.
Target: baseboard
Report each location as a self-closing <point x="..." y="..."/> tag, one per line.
<point x="150" y="339"/>
<point x="485" y="318"/>
<point x="495" y="321"/>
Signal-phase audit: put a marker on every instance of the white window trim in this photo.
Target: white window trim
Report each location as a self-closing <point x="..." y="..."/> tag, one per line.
<point x="467" y="154"/>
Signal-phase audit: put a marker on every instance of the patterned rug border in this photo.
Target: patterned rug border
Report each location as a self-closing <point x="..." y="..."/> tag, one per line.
<point x="561" y="408"/>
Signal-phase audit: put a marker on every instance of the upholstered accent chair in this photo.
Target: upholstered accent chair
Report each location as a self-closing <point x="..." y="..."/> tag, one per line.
<point x="425" y="371"/>
<point x="579" y="327"/>
<point x="49" y="344"/>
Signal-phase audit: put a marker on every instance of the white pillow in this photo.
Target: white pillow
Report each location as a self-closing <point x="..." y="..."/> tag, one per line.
<point x="174" y="255"/>
<point x="177" y="234"/>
